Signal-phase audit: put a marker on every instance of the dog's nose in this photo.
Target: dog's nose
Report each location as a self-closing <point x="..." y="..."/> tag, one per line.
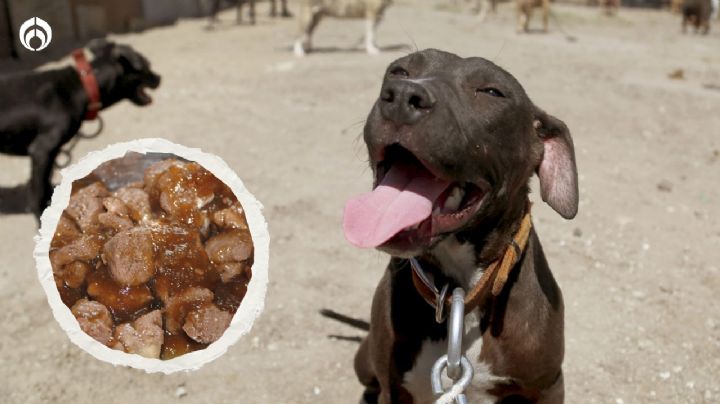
<point x="405" y="102"/>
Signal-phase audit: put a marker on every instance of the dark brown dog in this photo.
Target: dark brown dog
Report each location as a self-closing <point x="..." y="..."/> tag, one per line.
<point x="215" y="8"/>
<point x="696" y="13"/>
<point x="453" y="143"/>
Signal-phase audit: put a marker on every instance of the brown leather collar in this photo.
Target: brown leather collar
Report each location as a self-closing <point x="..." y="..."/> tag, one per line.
<point x="89" y="82"/>
<point x="496" y="274"/>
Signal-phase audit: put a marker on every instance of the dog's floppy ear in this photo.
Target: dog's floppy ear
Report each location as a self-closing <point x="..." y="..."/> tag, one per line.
<point x="557" y="170"/>
<point x="127" y="56"/>
<point x="100" y="47"/>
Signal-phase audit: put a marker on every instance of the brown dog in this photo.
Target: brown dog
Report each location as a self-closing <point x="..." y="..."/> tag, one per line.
<point x="696" y="13"/>
<point x="312" y="11"/>
<point x="525" y="10"/>
<point x="610" y="7"/>
<point x="453" y="143"/>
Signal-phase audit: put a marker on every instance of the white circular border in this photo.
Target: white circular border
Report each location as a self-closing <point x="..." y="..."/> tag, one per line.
<point x="252" y="304"/>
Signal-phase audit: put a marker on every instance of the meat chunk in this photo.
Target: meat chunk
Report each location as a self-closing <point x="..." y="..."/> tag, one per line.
<point x="86" y="248"/>
<point x="94" y="320"/>
<point x="230" y="246"/>
<point x="229" y="270"/>
<point x="228" y="251"/>
<point x="115" y="206"/>
<point x="179" y="305"/>
<point x="137" y="202"/>
<point x="73" y="274"/>
<point x="230" y="218"/>
<point x="129" y="255"/>
<point x="116" y="216"/>
<point x="143" y="336"/>
<point x="207" y="323"/>
<point x="154" y="171"/>
<point x="183" y="191"/>
<point x="65" y="232"/>
<point x="86" y="204"/>
<point x="181" y="261"/>
<point x="115" y="222"/>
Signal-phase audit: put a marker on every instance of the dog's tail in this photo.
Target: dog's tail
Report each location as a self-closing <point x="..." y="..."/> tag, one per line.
<point x="352" y="322"/>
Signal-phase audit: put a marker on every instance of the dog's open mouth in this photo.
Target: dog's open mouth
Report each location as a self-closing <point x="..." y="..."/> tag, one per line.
<point x="409" y="205"/>
<point x="142" y="95"/>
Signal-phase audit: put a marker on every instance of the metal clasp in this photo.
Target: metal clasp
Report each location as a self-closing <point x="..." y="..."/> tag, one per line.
<point x="459" y="368"/>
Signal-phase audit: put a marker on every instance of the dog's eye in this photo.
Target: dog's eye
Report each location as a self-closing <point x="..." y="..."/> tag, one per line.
<point x="399" y="71"/>
<point x="490" y="91"/>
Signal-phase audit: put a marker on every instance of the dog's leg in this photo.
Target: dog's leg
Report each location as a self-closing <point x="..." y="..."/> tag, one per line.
<point x="273" y="8"/>
<point x="546" y="14"/>
<point x="309" y="19"/>
<point x="214" y="9"/>
<point x="554" y="394"/>
<point x="252" y="12"/>
<point x="238" y="11"/>
<point x="14" y="200"/>
<point x="522" y="17"/>
<point x="705" y="27"/>
<point x="285" y="12"/>
<point x="43" y="152"/>
<point x="370" y="46"/>
<point x="483" y="7"/>
<point x="526" y="22"/>
<point x="372" y="20"/>
<point x="363" y="370"/>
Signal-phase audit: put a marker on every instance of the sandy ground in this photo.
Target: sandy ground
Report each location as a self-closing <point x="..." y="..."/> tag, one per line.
<point x="639" y="267"/>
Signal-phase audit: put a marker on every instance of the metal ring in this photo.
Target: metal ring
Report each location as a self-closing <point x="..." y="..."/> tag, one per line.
<point x="436" y="375"/>
<point x="516" y="247"/>
<point x="68" y="159"/>
<point x="440" y="304"/>
<point x="455" y="333"/>
<point x="95" y="134"/>
<point x="419" y="271"/>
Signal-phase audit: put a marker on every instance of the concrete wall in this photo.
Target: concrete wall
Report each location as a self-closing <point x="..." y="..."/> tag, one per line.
<point x="6" y="35"/>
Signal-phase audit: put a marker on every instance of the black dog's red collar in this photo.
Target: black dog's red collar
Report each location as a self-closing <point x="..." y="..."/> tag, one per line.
<point x="89" y="82"/>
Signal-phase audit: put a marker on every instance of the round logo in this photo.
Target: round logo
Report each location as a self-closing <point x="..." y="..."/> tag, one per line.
<point x="35" y="34"/>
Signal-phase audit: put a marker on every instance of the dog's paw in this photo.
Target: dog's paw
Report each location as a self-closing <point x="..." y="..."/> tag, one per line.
<point x="372" y="50"/>
<point x="299" y="49"/>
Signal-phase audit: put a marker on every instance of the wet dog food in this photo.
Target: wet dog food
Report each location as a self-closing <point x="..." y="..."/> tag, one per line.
<point x="157" y="267"/>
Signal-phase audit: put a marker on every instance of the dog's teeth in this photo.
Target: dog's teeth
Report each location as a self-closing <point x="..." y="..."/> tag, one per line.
<point x="453" y="200"/>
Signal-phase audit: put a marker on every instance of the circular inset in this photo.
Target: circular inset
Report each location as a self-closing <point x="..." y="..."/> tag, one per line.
<point x="153" y="255"/>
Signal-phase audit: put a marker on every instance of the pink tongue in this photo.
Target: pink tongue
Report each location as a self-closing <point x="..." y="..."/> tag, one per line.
<point x="404" y="198"/>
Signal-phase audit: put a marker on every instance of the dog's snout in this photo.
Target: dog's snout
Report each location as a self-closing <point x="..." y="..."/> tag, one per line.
<point x="405" y="102"/>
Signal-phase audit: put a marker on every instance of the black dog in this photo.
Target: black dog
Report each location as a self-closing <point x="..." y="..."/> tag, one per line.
<point x="215" y="8"/>
<point x="453" y="143"/>
<point x="41" y="111"/>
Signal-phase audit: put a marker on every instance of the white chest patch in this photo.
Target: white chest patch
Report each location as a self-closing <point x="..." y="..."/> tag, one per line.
<point x="417" y="380"/>
<point x="457" y="260"/>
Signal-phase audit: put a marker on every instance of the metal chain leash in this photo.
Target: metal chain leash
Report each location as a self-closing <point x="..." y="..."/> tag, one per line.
<point x="457" y="366"/>
<point x="65" y="156"/>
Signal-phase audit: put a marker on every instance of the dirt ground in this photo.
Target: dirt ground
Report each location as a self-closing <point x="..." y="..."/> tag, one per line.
<point x="639" y="267"/>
